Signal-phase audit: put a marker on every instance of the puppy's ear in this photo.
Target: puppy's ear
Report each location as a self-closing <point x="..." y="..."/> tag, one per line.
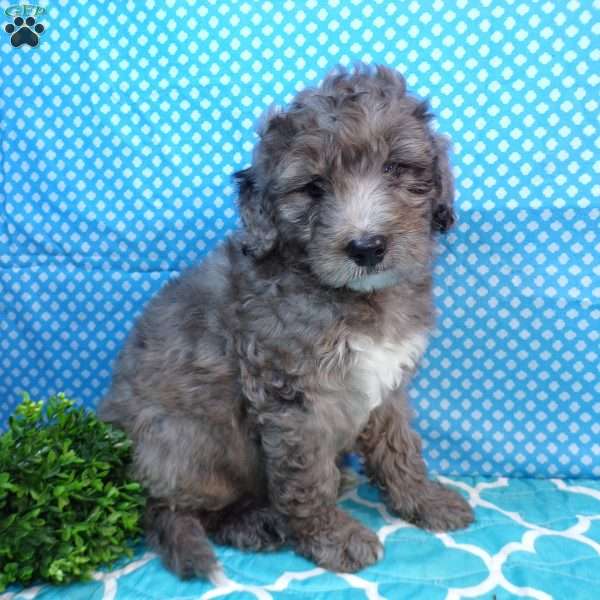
<point x="260" y="234"/>
<point x="443" y="216"/>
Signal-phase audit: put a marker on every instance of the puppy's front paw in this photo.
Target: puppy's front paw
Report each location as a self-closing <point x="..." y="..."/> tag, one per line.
<point x="346" y="546"/>
<point x="440" y="509"/>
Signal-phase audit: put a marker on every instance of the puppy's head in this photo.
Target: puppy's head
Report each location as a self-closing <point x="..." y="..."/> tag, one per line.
<point x="353" y="178"/>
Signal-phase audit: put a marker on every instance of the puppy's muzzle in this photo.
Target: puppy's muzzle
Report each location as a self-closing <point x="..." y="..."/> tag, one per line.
<point x="367" y="251"/>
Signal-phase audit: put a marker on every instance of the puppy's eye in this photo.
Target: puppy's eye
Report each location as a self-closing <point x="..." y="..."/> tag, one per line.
<point x="394" y="169"/>
<point x="421" y="187"/>
<point x="314" y="189"/>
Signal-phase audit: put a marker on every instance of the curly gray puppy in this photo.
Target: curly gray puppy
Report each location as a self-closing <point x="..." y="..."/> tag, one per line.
<point x="247" y="378"/>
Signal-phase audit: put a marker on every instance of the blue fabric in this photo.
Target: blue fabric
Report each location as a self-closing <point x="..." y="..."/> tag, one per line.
<point x="537" y="539"/>
<point x="120" y="131"/>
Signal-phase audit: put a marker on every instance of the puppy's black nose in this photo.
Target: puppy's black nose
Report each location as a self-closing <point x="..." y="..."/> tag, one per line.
<point x="367" y="251"/>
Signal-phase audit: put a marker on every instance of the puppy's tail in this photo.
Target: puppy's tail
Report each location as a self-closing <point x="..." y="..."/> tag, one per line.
<point x="180" y="540"/>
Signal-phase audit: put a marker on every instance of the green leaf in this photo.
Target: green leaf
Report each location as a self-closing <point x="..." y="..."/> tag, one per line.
<point x="67" y="505"/>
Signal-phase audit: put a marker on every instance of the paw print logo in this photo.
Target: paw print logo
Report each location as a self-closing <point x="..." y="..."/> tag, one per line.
<point x="24" y="32"/>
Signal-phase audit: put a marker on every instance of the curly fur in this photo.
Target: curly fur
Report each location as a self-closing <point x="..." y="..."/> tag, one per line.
<point x="246" y="378"/>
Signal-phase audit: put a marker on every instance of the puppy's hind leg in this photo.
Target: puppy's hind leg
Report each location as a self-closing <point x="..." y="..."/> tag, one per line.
<point x="180" y="539"/>
<point x="250" y="527"/>
<point x="187" y="472"/>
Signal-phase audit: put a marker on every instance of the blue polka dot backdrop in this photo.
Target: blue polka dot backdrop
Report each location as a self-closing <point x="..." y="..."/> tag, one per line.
<point x="122" y="123"/>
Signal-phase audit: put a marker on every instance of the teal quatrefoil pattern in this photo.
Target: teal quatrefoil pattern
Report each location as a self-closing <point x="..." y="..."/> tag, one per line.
<point x="535" y="539"/>
<point x="121" y="129"/>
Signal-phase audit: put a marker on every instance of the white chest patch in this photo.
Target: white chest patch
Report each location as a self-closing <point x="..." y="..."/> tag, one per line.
<point x="379" y="368"/>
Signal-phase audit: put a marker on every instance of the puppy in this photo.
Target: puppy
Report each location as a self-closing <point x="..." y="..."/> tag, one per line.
<point x="247" y="378"/>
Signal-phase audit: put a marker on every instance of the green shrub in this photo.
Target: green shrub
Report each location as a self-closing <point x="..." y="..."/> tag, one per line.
<point x="67" y="504"/>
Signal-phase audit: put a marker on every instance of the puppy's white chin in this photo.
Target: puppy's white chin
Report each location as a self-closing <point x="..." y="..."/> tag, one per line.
<point x="375" y="281"/>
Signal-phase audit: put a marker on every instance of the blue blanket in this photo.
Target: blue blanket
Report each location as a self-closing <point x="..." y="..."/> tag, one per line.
<point x="532" y="538"/>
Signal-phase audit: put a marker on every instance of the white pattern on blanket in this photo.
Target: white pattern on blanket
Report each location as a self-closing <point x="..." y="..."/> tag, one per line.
<point x="532" y="538"/>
